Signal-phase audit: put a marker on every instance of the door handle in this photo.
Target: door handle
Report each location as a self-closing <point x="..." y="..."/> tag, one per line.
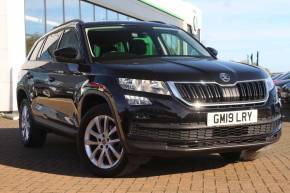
<point x="51" y="79"/>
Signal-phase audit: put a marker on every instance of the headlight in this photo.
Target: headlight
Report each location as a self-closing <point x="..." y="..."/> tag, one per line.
<point x="270" y="84"/>
<point x="152" y="86"/>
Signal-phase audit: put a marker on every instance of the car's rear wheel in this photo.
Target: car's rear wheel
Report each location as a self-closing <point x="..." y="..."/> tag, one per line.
<point x="30" y="133"/>
<point x="99" y="143"/>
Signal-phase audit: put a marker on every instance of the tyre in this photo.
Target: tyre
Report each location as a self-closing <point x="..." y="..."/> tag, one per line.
<point x="30" y="133"/>
<point x="231" y="156"/>
<point x="99" y="144"/>
<point x="249" y="155"/>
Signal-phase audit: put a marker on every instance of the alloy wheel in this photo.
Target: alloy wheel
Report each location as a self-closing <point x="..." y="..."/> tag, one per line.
<point x="102" y="143"/>
<point x="25" y="123"/>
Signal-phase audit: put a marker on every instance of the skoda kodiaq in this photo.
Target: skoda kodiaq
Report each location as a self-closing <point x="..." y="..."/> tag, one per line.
<point x="128" y="90"/>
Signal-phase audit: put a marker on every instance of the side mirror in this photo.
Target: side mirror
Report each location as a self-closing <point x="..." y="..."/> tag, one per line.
<point x="212" y="51"/>
<point x="66" y="55"/>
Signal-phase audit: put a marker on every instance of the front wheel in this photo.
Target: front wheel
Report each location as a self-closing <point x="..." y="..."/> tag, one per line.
<point x="99" y="144"/>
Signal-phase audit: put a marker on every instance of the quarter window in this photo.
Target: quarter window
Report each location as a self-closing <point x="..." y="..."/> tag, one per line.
<point x="35" y="52"/>
<point x="49" y="46"/>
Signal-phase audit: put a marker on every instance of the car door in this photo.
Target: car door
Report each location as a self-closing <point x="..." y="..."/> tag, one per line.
<point x="41" y="105"/>
<point x="64" y="81"/>
<point x="30" y="68"/>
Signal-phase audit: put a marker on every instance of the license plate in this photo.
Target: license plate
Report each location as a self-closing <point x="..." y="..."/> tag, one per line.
<point x="232" y="118"/>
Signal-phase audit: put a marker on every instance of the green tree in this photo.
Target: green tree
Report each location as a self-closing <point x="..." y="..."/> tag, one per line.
<point x="30" y="41"/>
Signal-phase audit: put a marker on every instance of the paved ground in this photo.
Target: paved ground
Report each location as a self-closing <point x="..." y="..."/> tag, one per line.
<point x="56" y="168"/>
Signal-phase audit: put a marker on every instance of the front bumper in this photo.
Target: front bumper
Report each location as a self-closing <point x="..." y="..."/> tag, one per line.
<point x="205" y="140"/>
<point x="169" y="127"/>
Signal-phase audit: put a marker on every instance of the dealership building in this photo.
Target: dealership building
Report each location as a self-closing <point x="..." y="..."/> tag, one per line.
<point x="24" y="21"/>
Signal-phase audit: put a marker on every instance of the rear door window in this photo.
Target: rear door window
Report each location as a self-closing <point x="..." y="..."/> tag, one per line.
<point x="49" y="46"/>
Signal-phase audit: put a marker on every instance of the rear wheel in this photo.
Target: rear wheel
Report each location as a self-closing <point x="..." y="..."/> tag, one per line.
<point x="30" y="133"/>
<point x="99" y="144"/>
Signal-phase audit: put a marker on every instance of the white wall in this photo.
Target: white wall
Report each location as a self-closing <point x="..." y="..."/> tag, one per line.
<point x="12" y="50"/>
<point x="139" y="10"/>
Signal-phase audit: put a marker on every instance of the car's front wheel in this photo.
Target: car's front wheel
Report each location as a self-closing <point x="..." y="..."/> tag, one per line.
<point x="99" y="143"/>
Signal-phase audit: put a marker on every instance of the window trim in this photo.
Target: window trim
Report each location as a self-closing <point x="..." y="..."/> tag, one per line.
<point x="34" y="47"/>
<point x="46" y="37"/>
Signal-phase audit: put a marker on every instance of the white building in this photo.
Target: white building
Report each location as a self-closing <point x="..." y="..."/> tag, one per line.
<point x="23" y="21"/>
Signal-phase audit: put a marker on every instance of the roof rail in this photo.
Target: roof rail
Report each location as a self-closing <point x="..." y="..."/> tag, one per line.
<point x="161" y="22"/>
<point x="70" y="21"/>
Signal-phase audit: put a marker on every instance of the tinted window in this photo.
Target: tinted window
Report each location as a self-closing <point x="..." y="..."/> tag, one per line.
<point x="69" y="40"/>
<point x="36" y="50"/>
<point x="49" y="46"/>
<point x="117" y="42"/>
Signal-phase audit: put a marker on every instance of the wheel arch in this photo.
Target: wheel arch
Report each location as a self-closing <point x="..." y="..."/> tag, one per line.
<point x="92" y="98"/>
<point x="21" y="95"/>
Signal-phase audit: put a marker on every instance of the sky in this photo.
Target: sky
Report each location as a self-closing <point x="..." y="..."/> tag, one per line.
<point x="237" y="28"/>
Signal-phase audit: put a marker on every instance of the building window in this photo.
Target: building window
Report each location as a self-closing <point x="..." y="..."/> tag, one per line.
<point x="87" y="11"/>
<point x="100" y="14"/>
<point x="34" y="21"/>
<point x="54" y="13"/>
<point x="112" y="15"/>
<point x="132" y="19"/>
<point x="42" y="15"/>
<point x="123" y="17"/>
<point x="71" y="9"/>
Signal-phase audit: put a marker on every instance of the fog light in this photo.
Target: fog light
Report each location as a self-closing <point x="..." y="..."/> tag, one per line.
<point x="136" y="100"/>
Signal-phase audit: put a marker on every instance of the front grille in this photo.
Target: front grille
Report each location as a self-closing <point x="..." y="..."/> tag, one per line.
<point x="202" y="134"/>
<point x="215" y="93"/>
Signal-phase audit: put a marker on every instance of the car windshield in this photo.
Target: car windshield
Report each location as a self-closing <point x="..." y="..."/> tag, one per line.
<point x="122" y="42"/>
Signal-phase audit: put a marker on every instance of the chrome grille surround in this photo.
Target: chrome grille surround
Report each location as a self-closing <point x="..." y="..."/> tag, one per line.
<point x="224" y="89"/>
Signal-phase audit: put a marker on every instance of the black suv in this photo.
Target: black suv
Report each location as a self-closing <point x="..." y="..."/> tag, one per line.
<point x="142" y="89"/>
